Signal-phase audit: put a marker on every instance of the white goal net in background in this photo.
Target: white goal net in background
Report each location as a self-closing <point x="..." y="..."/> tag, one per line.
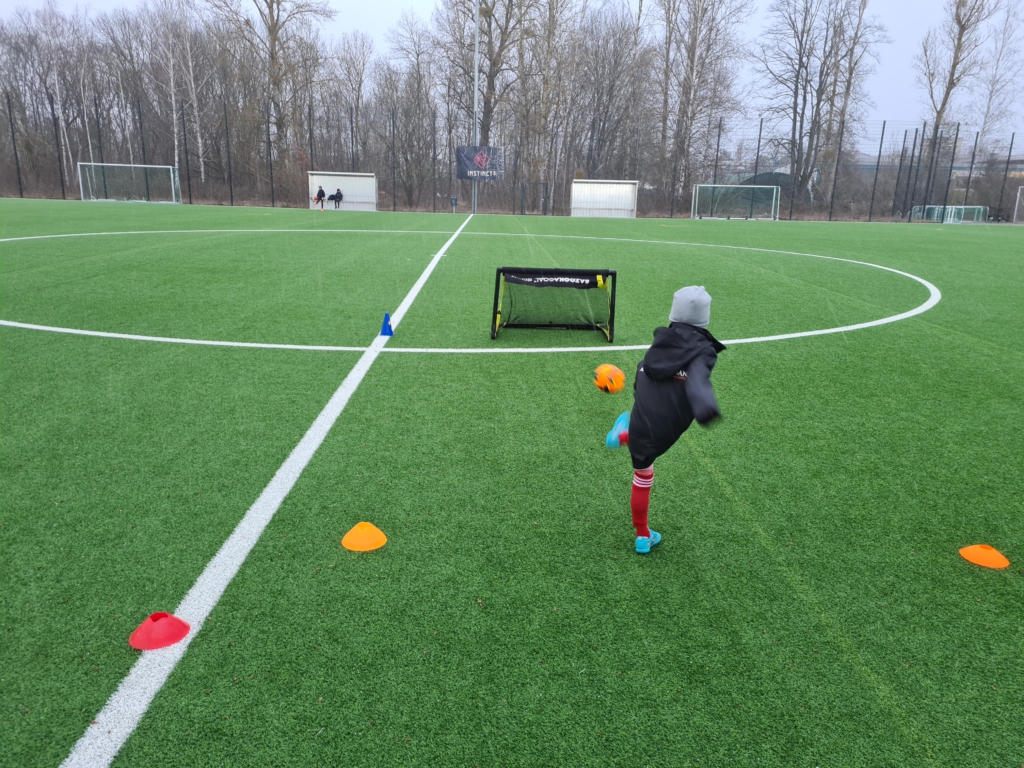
<point x="734" y="201"/>
<point x="602" y="198"/>
<point x="358" y="190"/>
<point x="131" y="183"/>
<point x="950" y="214"/>
<point x="1018" y="207"/>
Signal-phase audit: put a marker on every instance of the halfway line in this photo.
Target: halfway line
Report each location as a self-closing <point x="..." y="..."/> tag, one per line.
<point x="123" y="711"/>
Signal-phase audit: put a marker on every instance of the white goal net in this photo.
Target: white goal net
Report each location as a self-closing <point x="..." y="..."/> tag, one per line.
<point x="131" y="183"/>
<point x="950" y="214"/>
<point x="343" y="191"/>
<point x="603" y="198"/>
<point x="1018" y="207"/>
<point x="734" y="201"/>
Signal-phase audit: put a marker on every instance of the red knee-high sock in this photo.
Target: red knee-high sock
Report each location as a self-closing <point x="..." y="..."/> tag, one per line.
<point x="643" y="479"/>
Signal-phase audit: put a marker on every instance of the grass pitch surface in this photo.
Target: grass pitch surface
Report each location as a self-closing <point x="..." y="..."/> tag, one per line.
<point x="807" y="605"/>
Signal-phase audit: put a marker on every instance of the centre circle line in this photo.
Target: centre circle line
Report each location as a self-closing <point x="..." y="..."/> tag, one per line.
<point x="934" y="295"/>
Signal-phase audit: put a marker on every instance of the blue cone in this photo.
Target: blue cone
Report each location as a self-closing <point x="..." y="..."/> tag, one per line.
<point x="385" y="328"/>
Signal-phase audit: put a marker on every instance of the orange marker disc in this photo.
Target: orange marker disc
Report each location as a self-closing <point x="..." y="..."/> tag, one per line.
<point x="364" y="537"/>
<point x="985" y="556"/>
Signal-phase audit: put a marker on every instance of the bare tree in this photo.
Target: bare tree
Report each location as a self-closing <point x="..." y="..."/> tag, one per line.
<point x="952" y="54"/>
<point x="814" y="57"/>
<point x="265" y="26"/>
<point x="999" y="86"/>
<point x="503" y="25"/>
<point x="708" y="53"/>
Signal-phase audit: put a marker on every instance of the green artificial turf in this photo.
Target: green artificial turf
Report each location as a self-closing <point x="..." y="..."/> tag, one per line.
<point x="806" y="607"/>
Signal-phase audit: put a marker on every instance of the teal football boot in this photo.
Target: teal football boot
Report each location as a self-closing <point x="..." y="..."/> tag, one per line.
<point x="644" y="543"/>
<point x="620" y="426"/>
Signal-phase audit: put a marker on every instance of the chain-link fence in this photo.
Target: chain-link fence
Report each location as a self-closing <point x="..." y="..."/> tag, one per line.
<point x="871" y="170"/>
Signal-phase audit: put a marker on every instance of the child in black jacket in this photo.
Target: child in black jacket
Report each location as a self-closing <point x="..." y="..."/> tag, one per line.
<point x="671" y="389"/>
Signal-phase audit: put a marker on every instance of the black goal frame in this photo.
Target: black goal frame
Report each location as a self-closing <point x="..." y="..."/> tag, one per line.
<point x="589" y="274"/>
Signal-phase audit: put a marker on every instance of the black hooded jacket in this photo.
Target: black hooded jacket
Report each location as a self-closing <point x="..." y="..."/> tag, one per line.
<point x="671" y="389"/>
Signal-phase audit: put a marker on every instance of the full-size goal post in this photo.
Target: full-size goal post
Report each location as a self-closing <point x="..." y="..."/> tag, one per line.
<point x="950" y="214"/>
<point x="568" y="299"/>
<point x="734" y="201"/>
<point x="1018" y="207"/>
<point x="129" y="183"/>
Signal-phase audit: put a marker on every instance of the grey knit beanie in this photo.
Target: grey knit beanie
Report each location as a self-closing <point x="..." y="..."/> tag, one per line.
<point x="692" y="305"/>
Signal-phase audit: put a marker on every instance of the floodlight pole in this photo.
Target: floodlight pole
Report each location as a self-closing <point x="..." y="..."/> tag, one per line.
<point x="476" y="91"/>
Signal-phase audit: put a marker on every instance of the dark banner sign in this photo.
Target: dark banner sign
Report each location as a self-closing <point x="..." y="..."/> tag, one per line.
<point x="481" y="163"/>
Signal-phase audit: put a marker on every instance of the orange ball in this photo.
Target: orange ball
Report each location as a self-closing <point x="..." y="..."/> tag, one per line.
<point x="609" y="379"/>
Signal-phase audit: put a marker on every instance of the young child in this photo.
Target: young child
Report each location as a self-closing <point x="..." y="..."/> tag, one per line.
<point x="671" y="389"/>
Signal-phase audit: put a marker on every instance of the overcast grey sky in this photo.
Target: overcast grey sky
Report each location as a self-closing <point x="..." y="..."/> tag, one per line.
<point x="892" y="86"/>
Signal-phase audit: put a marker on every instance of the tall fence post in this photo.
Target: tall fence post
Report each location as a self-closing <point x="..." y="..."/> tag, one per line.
<point x="910" y="173"/>
<point x="14" y="143"/>
<point x="835" y="173"/>
<point x="917" y="173"/>
<point x="757" y="163"/>
<point x="970" y="173"/>
<point x="311" y="165"/>
<point x="352" y="135"/>
<point x="184" y="136"/>
<point x="718" y="145"/>
<point x="270" y="160"/>
<point x="949" y="176"/>
<point x="141" y="142"/>
<point x="99" y="140"/>
<point x="636" y="168"/>
<point x="99" y="136"/>
<point x="899" y="172"/>
<point x="433" y="155"/>
<point x="714" y="175"/>
<point x="227" y="149"/>
<point x="56" y="144"/>
<point x="675" y="171"/>
<point x="933" y="158"/>
<point x="878" y="164"/>
<point x="394" y="163"/>
<point x="1006" y="171"/>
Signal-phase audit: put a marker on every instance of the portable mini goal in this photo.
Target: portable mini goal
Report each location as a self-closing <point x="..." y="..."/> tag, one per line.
<point x="358" y="190"/>
<point x="734" y="201"/>
<point x="566" y="299"/>
<point x="129" y="183"/>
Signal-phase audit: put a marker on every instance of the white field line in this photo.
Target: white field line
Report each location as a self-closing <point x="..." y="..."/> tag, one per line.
<point x="231" y="231"/>
<point x="934" y="296"/>
<point x="123" y="711"/>
<point x="171" y="340"/>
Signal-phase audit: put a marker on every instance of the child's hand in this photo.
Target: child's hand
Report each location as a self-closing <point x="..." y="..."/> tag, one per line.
<point x="708" y="416"/>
